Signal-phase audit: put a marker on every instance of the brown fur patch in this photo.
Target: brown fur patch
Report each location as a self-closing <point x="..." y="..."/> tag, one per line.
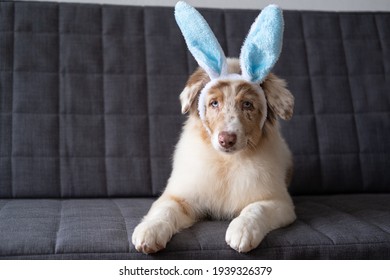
<point x="198" y="76"/>
<point x="271" y="118"/>
<point x="250" y="118"/>
<point x="184" y="206"/>
<point x="216" y="92"/>
<point x="244" y="88"/>
<point x="279" y="98"/>
<point x="269" y="124"/>
<point x="289" y="175"/>
<point x="221" y="84"/>
<point x="203" y="133"/>
<point x="194" y="85"/>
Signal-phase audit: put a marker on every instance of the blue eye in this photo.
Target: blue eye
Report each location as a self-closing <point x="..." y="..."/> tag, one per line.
<point x="214" y="104"/>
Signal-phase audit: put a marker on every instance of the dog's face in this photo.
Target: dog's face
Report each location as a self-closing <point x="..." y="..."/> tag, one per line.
<point x="236" y="111"/>
<point x="233" y="113"/>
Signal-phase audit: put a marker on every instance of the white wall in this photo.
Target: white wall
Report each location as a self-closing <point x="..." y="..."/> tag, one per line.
<point x="324" y="5"/>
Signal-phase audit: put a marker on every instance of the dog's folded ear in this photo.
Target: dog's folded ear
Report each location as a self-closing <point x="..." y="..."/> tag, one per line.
<point x="279" y="98"/>
<point x="193" y="87"/>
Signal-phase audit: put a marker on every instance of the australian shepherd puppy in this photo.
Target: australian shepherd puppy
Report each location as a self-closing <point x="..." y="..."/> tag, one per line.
<point x="231" y="168"/>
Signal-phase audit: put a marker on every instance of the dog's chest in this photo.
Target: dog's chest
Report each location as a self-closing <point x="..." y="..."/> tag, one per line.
<point x="234" y="186"/>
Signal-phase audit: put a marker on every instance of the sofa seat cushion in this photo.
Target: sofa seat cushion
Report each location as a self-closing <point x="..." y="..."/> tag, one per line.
<point x="328" y="227"/>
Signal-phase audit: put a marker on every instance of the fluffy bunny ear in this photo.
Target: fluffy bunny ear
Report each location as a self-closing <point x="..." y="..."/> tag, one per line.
<point x="201" y="40"/>
<point x="263" y="44"/>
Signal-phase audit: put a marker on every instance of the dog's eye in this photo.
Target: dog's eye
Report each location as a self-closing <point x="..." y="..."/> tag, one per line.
<point x="247" y="105"/>
<point x="214" y="104"/>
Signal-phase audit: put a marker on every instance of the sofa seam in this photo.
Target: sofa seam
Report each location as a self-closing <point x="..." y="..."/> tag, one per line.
<point x="381" y="44"/>
<point x="125" y="224"/>
<point x="352" y="102"/>
<point x="12" y="194"/>
<point x="104" y="98"/>
<point x="191" y="231"/>
<point x="58" y="227"/>
<point x="146" y="74"/>
<point x="312" y="103"/>
<point x="59" y="102"/>
<point x="316" y="230"/>
<point x="225" y="33"/>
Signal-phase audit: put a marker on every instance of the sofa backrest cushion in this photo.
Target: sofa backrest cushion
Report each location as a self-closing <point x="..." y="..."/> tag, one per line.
<point x="89" y="97"/>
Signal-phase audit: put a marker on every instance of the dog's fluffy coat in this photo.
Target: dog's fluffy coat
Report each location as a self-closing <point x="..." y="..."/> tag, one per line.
<point x="246" y="182"/>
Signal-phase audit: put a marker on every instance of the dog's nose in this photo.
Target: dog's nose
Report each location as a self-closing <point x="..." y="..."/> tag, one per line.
<point x="227" y="139"/>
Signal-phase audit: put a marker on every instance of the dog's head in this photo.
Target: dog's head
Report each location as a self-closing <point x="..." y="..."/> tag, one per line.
<point x="235" y="99"/>
<point x="236" y="112"/>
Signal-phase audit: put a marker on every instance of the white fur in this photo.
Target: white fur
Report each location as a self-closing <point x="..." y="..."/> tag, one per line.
<point x="247" y="186"/>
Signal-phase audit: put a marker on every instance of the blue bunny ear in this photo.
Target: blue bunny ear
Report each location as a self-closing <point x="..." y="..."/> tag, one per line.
<point x="263" y="44"/>
<point x="201" y="40"/>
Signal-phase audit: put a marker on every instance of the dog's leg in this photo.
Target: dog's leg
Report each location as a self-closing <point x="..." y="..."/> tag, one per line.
<point x="167" y="216"/>
<point x="257" y="219"/>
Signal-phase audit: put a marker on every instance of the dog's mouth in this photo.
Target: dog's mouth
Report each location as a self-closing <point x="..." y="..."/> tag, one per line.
<point x="224" y="150"/>
<point x="231" y="150"/>
<point x="228" y="151"/>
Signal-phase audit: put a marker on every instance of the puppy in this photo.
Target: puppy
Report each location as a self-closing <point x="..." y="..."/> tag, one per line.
<point x="237" y="171"/>
<point x="231" y="161"/>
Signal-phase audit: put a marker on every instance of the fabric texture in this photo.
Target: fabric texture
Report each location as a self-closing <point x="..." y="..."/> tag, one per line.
<point x="89" y="116"/>
<point x="328" y="227"/>
<point x="89" y="97"/>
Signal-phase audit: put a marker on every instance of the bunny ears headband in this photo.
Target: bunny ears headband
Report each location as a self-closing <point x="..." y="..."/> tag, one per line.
<point x="259" y="53"/>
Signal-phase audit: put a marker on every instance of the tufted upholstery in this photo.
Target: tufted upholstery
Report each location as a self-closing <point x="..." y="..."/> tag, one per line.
<point x="327" y="228"/>
<point x="89" y="109"/>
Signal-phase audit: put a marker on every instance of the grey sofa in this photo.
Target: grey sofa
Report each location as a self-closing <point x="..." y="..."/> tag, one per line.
<point x="89" y="116"/>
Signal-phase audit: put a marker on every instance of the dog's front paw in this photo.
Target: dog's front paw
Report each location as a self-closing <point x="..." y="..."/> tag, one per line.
<point x="151" y="236"/>
<point x="243" y="235"/>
